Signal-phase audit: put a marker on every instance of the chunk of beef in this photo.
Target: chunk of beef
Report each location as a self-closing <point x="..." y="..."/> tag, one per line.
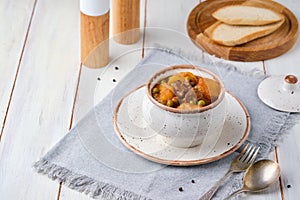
<point x="181" y="88"/>
<point x="193" y="95"/>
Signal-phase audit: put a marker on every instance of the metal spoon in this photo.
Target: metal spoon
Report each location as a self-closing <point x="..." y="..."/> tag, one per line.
<point x="259" y="176"/>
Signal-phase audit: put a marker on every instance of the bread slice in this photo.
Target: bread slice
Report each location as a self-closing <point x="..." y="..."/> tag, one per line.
<point x="231" y="35"/>
<point x="246" y="15"/>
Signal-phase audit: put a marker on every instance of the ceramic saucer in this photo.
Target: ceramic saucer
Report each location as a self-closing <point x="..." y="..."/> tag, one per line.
<point x="135" y="133"/>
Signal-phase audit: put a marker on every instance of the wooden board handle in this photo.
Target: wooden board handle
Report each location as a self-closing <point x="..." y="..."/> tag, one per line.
<point x="126" y="21"/>
<point x="94" y="32"/>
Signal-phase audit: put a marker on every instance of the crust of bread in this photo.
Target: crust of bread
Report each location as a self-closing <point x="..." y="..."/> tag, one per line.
<point x="235" y="15"/>
<point x="250" y="32"/>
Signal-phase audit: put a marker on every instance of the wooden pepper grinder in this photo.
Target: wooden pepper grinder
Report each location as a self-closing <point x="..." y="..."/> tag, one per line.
<point x="126" y="21"/>
<point x="94" y="32"/>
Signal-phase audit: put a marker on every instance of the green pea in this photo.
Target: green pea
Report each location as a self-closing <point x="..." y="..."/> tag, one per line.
<point x="193" y="102"/>
<point x="201" y="103"/>
<point x="170" y="103"/>
<point x="164" y="102"/>
<point x="155" y="90"/>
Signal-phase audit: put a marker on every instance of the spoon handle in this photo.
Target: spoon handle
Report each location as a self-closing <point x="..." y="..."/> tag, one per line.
<point x="210" y="193"/>
<point x="235" y="193"/>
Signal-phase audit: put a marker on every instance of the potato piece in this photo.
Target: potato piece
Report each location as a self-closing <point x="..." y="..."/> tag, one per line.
<point x="174" y="78"/>
<point x="209" y="88"/>
<point x="166" y="85"/>
<point x="164" y="93"/>
<point x="188" y="106"/>
<point x="214" y="88"/>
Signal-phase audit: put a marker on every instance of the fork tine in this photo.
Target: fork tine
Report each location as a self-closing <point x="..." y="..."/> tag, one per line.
<point x="244" y="156"/>
<point x="250" y="154"/>
<point x="254" y="155"/>
<point x="243" y="151"/>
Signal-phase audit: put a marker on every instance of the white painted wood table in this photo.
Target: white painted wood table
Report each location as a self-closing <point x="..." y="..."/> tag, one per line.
<point x="44" y="90"/>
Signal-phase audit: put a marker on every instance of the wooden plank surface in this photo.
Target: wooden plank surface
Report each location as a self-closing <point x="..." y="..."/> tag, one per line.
<point x="160" y="34"/>
<point x="13" y="36"/>
<point x="177" y="28"/>
<point x="42" y="102"/>
<point x="91" y="88"/>
<point x="288" y="151"/>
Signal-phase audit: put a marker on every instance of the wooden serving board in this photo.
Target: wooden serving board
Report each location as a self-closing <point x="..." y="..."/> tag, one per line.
<point x="264" y="48"/>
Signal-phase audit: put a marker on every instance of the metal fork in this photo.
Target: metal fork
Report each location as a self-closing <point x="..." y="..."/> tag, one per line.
<point x="239" y="164"/>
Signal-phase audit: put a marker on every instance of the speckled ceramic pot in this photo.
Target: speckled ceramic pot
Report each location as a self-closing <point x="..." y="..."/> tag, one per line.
<point x="185" y="128"/>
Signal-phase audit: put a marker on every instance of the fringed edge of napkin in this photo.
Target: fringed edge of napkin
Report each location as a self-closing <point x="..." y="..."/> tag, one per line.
<point x="85" y="184"/>
<point x="284" y="124"/>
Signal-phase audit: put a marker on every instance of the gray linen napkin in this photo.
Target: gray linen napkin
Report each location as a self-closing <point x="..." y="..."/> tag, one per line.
<point x="91" y="159"/>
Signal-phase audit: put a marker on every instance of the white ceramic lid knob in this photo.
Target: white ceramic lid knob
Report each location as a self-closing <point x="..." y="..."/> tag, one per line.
<point x="281" y="93"/>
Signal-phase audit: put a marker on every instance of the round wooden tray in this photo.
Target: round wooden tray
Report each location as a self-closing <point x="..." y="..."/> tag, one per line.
<point x="264" y="48"/>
